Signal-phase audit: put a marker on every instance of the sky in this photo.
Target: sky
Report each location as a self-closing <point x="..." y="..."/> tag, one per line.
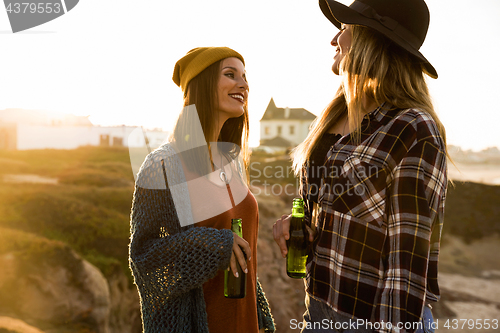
<point x="113" y="60"/>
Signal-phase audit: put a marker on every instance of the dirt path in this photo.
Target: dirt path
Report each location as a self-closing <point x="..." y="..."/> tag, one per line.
<point x="477" y="173"/>
<point x="29" y="178"/>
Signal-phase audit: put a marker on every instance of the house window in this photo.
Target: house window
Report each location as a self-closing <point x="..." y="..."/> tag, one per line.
<point x="267" y="130"/>
<point x="118" y="142"/>
<point x="279" y="130"/>
<point x="104" y="140"/>
<point x="292" y="130"/>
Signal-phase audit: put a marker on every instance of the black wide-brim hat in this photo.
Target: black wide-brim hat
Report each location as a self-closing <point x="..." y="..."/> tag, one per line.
<point x="405" y="22"/>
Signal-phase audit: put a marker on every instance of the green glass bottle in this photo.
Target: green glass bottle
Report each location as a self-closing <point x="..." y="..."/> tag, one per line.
<point x="235" y="287"/>
<point x="297" y="243"/>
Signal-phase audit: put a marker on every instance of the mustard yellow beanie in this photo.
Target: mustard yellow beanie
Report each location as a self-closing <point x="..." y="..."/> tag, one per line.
<point x="196" y="60"/>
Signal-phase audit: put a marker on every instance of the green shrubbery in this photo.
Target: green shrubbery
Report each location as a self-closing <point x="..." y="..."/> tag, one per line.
<point x="89" y="209"/>
<point x="472" y="211"/>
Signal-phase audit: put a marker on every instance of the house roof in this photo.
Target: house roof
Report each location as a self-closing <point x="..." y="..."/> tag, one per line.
<point x="277" y="141"/>
<point x="275" y="113"/>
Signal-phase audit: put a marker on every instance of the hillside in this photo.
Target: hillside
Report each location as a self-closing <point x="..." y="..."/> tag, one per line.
<point x="79" y="201"/>
<point x="472" y="211"/>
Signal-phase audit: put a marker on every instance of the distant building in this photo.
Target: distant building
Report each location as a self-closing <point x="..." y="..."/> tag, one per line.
<point x="283" y="128"/>
<point x="30" y="129"/>
<point x="44" y="118"/>
<point x="492" y="151"/>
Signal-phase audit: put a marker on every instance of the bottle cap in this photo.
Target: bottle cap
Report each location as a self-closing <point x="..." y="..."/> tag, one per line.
<point x="297" y="200"/>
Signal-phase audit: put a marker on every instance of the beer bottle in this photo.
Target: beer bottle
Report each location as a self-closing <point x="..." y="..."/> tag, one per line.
<point x="297" y="243"/>
<point x="235" y="287"/>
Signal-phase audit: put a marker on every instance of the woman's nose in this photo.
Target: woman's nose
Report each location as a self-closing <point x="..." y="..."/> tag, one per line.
<point x="244" y="84"/>
<point x="335" y="39"/>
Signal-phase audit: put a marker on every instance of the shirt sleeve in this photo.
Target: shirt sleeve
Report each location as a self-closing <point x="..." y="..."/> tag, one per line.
<point x="415" y="215"/>
<point x="167" y="260"/>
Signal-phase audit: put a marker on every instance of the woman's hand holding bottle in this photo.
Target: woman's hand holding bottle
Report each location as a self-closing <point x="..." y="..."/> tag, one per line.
<point x="241" y="249"/>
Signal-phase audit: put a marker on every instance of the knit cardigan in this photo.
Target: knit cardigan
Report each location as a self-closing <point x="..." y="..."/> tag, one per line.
<point x="171" y="263"/>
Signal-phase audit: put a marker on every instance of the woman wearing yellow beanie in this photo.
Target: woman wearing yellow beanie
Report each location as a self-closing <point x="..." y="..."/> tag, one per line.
<point x="187" y="192"/>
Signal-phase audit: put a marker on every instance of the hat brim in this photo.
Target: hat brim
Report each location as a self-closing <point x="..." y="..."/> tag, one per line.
<point x="346" y="15"/>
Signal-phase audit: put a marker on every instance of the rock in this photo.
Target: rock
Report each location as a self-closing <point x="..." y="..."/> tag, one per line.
<point x="491" y="274"/>
<point x="125" y="314"/>
<point x="456" y="288"/>
<point x="47" y="284"/>
<point x="16" y="326"/>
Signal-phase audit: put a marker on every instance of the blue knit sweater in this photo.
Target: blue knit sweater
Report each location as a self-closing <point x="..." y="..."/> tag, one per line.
<point x="170" y="263"/>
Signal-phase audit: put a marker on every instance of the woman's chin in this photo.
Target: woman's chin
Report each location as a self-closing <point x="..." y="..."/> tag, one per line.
<point x="234" y="114"/>
<point x="239" y="113"/>
<point x="335" y="69"/>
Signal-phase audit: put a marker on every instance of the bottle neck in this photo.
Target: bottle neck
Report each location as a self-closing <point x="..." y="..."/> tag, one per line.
<point x="298" y="212"/>
<point x="236" y="228"/>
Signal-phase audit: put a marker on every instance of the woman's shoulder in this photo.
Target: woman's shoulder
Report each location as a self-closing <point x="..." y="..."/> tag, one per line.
<point x="163" y="152"/>
<point x="413" y="115"/>
<point x="157" y="165"/>
<point x="166" y="153"/>
<point x="413" y="124"/>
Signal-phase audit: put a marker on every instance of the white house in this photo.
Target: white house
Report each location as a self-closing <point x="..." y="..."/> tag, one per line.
<point x="30" y="129"/>
<point x="284" y="127"/>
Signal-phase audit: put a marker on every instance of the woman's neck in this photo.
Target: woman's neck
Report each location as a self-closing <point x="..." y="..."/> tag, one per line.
<point x="368" y="104"/>
<point x="218" y="127"/>
<point x="342" y="125"/>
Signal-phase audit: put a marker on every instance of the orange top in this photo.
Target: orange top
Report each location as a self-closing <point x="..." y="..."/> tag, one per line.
<point x="230" y="314"/>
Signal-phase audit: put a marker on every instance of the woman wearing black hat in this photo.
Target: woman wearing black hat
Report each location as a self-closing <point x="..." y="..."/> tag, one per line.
<point x="374" y="177"/>
<point x="187" y="193"/>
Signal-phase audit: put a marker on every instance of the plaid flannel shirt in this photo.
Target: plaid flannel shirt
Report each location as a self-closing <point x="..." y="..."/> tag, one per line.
<point x="379" y="221"/>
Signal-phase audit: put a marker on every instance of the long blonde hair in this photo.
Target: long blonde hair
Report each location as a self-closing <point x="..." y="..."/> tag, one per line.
<point x="376" y="68"/>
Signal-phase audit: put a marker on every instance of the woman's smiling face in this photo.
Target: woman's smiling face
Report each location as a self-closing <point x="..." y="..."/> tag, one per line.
<point x="342" y="41"/>
<point x="232" y="88"/>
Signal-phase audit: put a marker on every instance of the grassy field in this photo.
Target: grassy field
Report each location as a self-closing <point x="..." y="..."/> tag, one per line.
<point x="89" y="208"/>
